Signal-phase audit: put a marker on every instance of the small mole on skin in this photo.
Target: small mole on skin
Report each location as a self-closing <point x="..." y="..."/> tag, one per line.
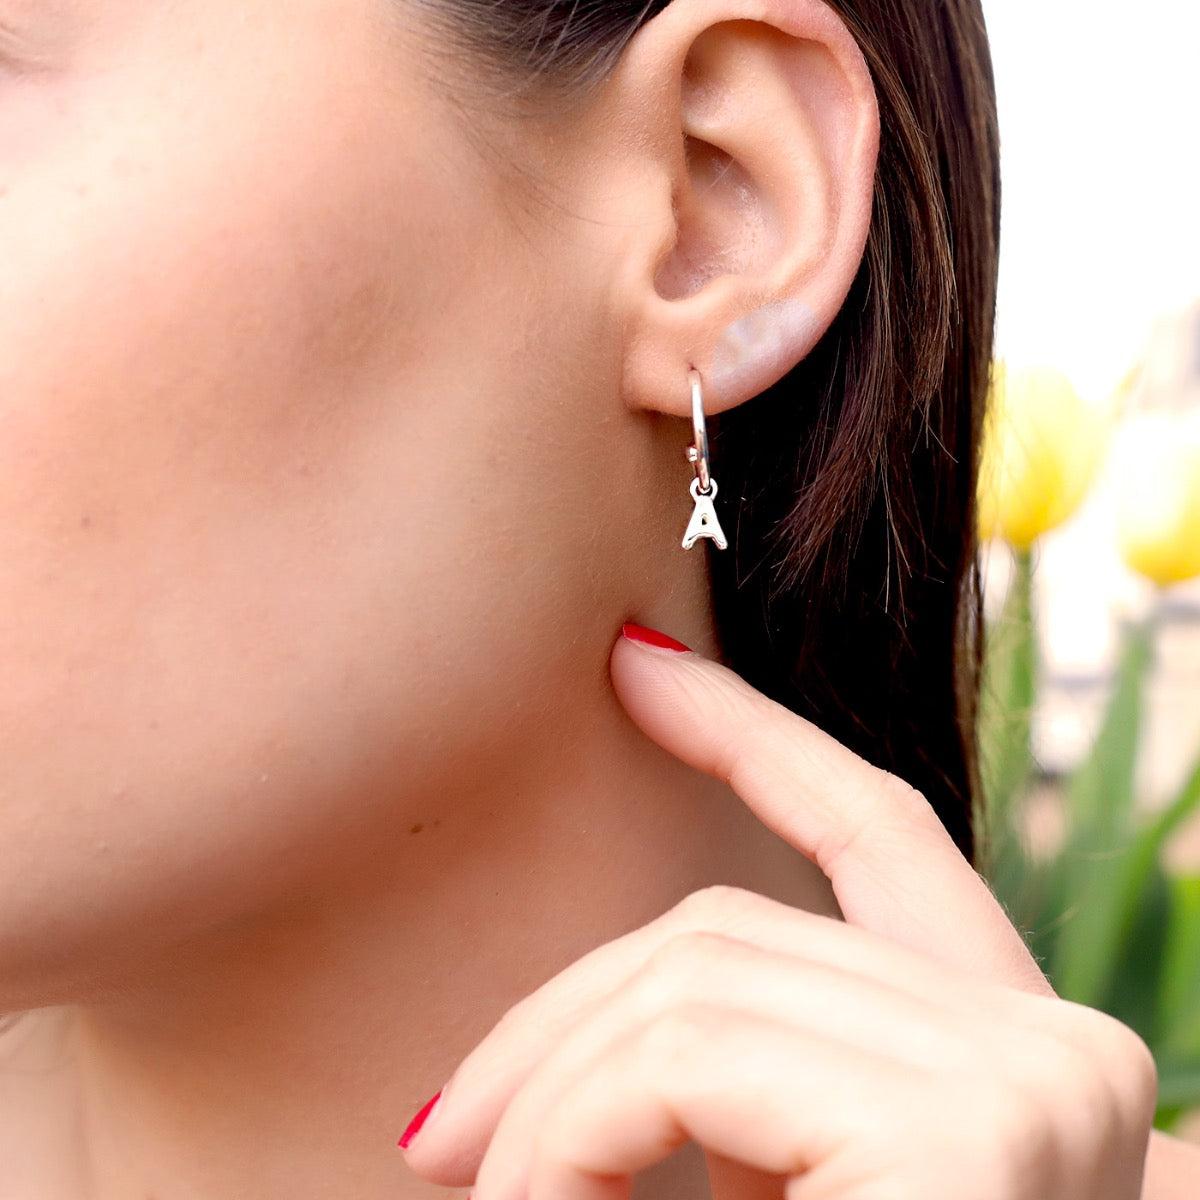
<point x="416" y="829"/>
<point x="85" y="522"/>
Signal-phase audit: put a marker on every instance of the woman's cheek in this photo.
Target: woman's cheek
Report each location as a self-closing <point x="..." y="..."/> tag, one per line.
<point x="199" y="318"/>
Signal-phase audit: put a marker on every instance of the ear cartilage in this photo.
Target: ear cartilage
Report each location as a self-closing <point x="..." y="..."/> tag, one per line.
<point x="755" y="351"/>
<point x="704" y="522"/>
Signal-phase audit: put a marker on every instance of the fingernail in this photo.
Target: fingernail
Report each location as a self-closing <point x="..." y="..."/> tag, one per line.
<point x="651" y="637"/>
<point x="416" y="1124"/>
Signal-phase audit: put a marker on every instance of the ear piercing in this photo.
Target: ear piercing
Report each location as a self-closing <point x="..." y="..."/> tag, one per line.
<point x="704" y="522"/>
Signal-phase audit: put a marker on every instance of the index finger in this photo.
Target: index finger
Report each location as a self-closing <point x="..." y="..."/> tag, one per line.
<point x="893" y="867"/>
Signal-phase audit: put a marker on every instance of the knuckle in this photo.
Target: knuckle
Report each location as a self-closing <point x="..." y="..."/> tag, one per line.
<point x="1117" y="1056"/>
<point x="1128" y="1066"/>
<point x="899" y="792"/>
<point x="894" y="811"/>
<point x="1090" y="1086"/>
<point x="1017" y="1140"/>
<point x="900" y="798"/>
<point x="552" y="1139"/>
<point x="1009" y="1113"/>
<point x="680" y="966"/>
<point x="712" y="905"/>
<point x="1143" y="1073"/>
<point x="1079" y="1096"/>
<point x="1057" y="1063"/>
<point x="1064" y="1071"/>
<point x="672" y="1039"/>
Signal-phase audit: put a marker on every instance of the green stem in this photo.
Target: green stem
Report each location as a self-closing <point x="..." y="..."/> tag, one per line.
<point x="1006" y="708"/>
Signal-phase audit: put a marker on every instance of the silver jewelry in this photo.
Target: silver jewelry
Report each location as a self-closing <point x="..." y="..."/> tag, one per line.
<point x="704" y="522"/>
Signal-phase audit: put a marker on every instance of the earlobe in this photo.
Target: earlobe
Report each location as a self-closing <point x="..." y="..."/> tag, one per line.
<point x="770" y="203"/>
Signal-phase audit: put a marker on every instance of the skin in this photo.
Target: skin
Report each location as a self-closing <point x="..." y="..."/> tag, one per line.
<point x="340" y="430"/>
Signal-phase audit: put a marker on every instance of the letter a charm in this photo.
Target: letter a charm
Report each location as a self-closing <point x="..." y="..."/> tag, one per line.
<point x="704" y="522"/>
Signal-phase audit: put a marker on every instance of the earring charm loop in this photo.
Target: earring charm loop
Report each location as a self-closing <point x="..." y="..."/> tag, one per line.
<point x="704" y="522"/>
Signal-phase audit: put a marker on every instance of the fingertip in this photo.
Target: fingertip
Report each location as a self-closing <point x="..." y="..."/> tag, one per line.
<point x="643" y="663"/>
<point x="642" y="659"/>
<point x="652" y="639"/>
<point x="663" y="691"/>
<point x="448" y="1158"/>
<point x="447" y="1167"/>
<point x="419" y="1121"/>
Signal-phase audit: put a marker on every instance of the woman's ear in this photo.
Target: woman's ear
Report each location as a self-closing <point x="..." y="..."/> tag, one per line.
<point x="756" y="127"/>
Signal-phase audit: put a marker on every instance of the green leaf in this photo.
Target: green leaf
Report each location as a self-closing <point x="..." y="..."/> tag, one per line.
<point x="1179" y="995"/>
<point x="1147" y="846"/>
<point x="1179" y="1085"/>
<point x="1166" y="1117"/>
<point x="1137" y="969"/>
<point x="1099" y="806"/>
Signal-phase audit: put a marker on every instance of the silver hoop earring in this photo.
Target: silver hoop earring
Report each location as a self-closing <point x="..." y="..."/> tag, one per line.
<point x="704" y="522"/>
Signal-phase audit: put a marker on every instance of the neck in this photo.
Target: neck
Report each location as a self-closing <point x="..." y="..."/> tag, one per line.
<point x="284" y="1057"/>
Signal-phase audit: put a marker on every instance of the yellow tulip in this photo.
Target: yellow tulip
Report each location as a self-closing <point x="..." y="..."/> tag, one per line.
<point x="1042" y="446"/>
<point x="1158" y="496"/>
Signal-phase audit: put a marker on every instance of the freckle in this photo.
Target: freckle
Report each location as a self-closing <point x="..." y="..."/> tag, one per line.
<point x="416" y="829"/>
<point x="438" y="823"/>
<point x="85" y="522"/>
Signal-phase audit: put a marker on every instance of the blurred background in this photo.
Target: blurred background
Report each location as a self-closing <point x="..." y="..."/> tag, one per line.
<point x="1091" y="490"/>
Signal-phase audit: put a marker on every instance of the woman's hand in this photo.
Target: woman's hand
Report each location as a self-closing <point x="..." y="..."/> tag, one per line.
<point x="914" y="1051"/>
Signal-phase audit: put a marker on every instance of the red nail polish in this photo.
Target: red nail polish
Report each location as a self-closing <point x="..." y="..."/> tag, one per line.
<point x="651" y="637"/>
<point x="414" y="1126"/>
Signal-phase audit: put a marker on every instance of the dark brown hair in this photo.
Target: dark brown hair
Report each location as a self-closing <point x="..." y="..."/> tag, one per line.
<point x="850" y="591"/>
